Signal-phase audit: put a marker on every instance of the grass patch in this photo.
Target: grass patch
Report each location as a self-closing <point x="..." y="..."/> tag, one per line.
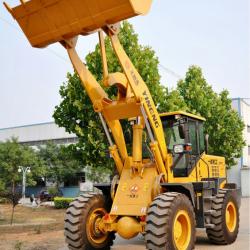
<point x="62" y="202"/>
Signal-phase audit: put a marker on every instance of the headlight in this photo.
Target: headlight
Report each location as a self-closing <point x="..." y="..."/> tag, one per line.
<point x="178" y="149"/>
<point x="183" y="148"/>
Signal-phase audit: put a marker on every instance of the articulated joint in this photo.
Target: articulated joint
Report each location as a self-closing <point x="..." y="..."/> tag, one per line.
<point x="98" y="106"/>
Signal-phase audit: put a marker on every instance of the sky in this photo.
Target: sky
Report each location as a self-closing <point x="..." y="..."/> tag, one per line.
<point x="213" y="34"/>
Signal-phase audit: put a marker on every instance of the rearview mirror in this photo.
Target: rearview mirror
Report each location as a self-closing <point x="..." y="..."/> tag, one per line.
<point x="206" y="143"/>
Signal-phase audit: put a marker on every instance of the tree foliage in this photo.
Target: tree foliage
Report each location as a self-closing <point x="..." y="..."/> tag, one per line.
<point x="60" y="162"/>
<point x="223" y="124"/>
<point x="13" y="155"/>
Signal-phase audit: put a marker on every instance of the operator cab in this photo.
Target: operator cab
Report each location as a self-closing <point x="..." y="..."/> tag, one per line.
<point x="184" y="134"/>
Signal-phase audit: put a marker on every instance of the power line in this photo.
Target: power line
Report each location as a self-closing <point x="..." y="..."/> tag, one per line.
<point x="49" y="49"/>
<point x="171" y="72"/>
<point x="7" y="22"/>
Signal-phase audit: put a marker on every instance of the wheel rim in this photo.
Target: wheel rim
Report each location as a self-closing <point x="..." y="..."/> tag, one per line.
<point x="231" y="216"/>
<point x="182" y="230"/>
<point x="95" y="235"/>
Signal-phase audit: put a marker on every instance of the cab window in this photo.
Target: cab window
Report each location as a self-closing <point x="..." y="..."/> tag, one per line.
<point x="172" y="134"/>
<point x="193" y="136"/>
<point x="201" y="138"/>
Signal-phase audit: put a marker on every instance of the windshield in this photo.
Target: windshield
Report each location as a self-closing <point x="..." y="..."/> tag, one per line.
<point x="171" y="132"/>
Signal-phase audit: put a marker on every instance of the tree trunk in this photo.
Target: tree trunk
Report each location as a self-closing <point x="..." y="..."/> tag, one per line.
<point x="12" y="214"/>
<point x="13" y="206"/>
<point x="13" y="187"/>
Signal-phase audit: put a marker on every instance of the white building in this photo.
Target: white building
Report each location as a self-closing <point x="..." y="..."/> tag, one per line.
<point x="38" y="134"/>
<point x="240" y="173"/>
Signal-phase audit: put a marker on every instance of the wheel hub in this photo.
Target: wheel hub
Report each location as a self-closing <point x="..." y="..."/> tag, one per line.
<point x="92" y="227"/>
<point x="231" y="216"/>
<point x="182" y="230"/>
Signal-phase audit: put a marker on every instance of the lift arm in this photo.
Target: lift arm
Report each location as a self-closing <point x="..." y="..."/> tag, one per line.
<point x="98" y="97"/>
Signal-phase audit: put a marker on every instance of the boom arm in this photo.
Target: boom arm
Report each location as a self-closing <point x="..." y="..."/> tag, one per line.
<point x="96" y="94"/>
<point x="47" y="22"/>
<point x="141" y="95"/>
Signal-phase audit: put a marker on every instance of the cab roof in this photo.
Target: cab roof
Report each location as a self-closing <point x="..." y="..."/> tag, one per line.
<point x="183" y="114"/>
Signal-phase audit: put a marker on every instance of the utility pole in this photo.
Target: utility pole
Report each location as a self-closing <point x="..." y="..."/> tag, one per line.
<point x="24" y="170"/>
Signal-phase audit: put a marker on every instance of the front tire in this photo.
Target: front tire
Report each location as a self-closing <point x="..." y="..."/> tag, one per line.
<point x="225" y="218"/>
<point x="170" y="223"/>
<point x="81" y="224"/>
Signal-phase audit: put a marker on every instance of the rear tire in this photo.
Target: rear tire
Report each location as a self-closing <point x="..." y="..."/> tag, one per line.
<point x="81" y="231"/>
<point x="170" y="223"/>
<point x="225" y="218"/>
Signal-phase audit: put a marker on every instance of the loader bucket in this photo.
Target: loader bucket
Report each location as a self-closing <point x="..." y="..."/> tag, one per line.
<point x="48" y="21"/>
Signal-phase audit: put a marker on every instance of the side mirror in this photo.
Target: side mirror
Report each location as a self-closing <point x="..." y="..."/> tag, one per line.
<point x="206" y="143"/>
<point x="181" y="129"/>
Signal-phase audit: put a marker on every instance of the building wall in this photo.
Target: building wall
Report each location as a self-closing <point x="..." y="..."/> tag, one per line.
<point x="245" y="114"/>
<point x="37" y="134"/>
<point x="240" y="173"/>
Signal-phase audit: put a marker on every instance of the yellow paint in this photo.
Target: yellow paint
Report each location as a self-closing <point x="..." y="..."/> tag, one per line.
<point x="134" y="194"/>
<point x="231" y="216"/>
<point x="47" y="22"/>
<point x="103" y="55"/>
<point x="183" y="113"/>
<point x="204" y="169"/>
<point x="122" y="109"/>
<point x="222" y="185"/>
<point x="128" y="227"/>
<point x="137" y="143"/>
<point x="182" y="230"/>
<point x="94" y="234"/>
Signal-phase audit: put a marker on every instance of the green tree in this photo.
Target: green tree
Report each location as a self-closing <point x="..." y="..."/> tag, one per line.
<point x="172" y="101"/>
<point x="223" y="124"/>
<point x="2" y="185"/>
<point x="75" y="112"/>
<point x="13" y="196"/>
<point x="13" y="155"/>
<point x="61" y="162"/>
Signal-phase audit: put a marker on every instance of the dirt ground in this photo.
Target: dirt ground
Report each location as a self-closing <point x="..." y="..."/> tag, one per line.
<point x="30" y="214"/>
<point x="44" y="231"/>
<point x="33" y="228"/>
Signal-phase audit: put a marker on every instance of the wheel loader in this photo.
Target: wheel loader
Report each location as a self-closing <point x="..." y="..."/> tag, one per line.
<point x="164" y="192"/>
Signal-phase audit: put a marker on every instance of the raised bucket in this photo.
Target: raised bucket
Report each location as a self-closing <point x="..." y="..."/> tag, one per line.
<point x="49" y="21"/>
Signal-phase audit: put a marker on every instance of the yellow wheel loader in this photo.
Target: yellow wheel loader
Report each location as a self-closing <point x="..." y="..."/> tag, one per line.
<point x="164" y="192"/>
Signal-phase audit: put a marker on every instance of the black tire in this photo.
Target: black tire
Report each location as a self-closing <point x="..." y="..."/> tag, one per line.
<point x="160" y="221"/>
<point x="76" y="231"/>
<point x="220" y="234"/>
